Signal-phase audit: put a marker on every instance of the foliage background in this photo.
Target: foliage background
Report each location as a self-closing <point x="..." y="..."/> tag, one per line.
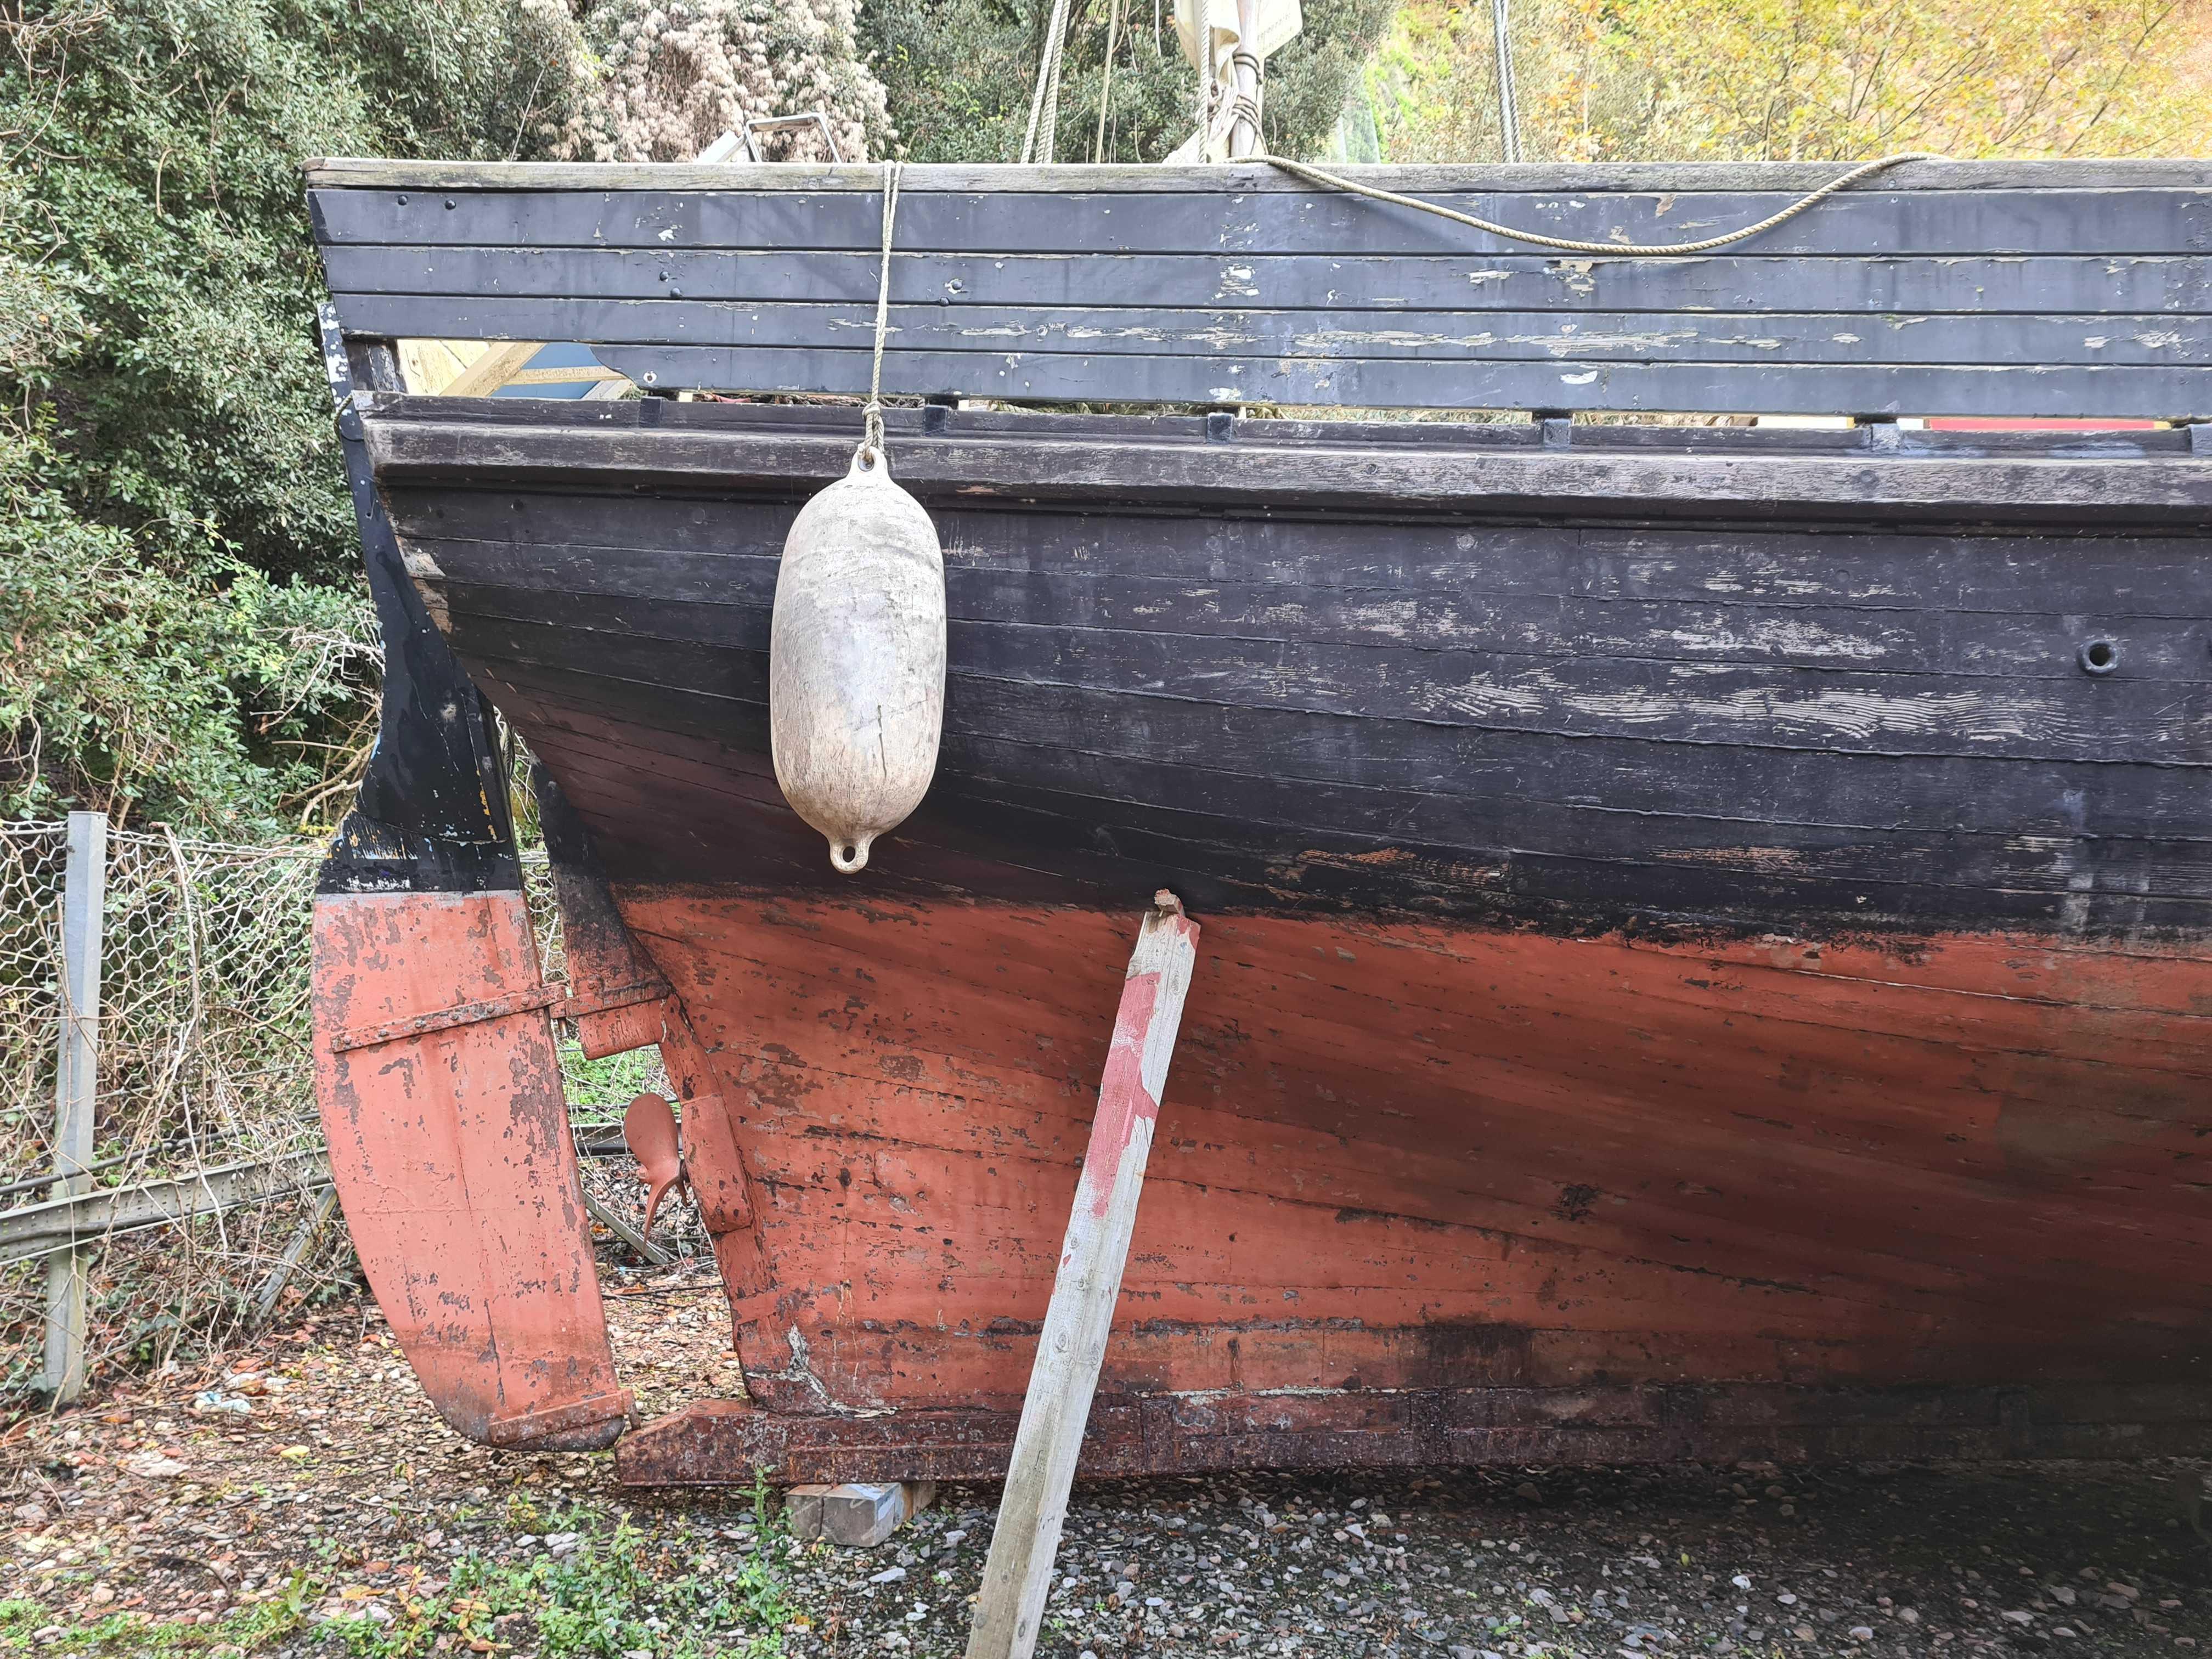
<point x="185" y="635"/>
<point x="1792" y="80"/>
<point x="667" y="77"/>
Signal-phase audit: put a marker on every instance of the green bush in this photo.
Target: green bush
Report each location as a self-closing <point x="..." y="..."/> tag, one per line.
<point x="188" y="688"/>
<point x="176" y="546"/>
<point x="183" y="631"/>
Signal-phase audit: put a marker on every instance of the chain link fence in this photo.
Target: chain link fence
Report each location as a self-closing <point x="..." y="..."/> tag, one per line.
<point x="205" y="1065"/>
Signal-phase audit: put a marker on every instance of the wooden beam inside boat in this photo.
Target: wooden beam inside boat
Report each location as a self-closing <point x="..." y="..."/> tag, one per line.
<point x="2136" y="477"/>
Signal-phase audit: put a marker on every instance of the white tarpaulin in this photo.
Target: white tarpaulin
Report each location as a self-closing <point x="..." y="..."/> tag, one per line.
<point x="1277" y="23"/>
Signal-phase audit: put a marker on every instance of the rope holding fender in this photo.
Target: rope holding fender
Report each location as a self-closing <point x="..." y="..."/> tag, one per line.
<point x="1315" y="175"/>
<point x="856" y="641"/>
<point x="872" y="438"/>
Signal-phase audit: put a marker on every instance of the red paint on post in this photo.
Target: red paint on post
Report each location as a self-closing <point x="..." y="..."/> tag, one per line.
<point x="1086" y="1286"/>
<point x="1123" y="1100"/>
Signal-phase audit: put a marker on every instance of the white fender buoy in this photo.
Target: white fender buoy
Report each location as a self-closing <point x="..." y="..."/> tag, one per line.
<point x="856" y="658"/>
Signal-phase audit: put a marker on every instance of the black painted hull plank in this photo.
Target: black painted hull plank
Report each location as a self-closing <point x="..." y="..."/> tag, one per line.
<point x="1780" y="726"/>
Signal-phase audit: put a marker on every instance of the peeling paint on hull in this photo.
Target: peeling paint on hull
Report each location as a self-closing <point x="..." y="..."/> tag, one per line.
<point x="1404" y="1168"/>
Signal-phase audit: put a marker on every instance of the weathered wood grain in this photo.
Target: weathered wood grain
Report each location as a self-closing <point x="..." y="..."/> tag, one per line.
<point x="1557" y="866"/>
<point x="1072" y="1344"/>
<point x="729" y="595"/>
<point x="1059" y="733"/>
<point x="2052" y="286"/>
<point x="1933" y="290"/>
<point x="1639" y="387"/>
<point x="1465" y="340"/>
<point x="723" y="1442"/>
<point x="699" y="548"/>
<point x="1484" y="433"/>
<point x="1749" y="725"/>
<point x="1432" y="1094"/>
<point x="81" y="1220"/>
<point x="867" y="178"/>
<point x="2055" y="220"/>
<point x="1841" y="710"/>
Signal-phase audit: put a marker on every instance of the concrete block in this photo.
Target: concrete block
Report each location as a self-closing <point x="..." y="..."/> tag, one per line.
<point x="802" y="1510"/>
<point x="862" y="1515"/>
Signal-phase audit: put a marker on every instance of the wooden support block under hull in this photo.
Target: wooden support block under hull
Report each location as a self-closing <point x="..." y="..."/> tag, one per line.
<point x="725" y="1441"/>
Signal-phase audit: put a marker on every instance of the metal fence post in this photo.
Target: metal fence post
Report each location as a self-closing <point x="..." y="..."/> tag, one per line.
<point x="75" y="1086"/>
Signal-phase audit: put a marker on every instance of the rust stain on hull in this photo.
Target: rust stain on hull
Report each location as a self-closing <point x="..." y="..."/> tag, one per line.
<point x="1405" y="1163"/>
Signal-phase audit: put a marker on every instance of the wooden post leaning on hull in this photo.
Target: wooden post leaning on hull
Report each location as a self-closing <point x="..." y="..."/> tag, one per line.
<point x="1073" y="1344"/>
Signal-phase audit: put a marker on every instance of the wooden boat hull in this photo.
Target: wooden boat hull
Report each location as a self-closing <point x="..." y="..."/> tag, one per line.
<point x="1704" y="971"/>
<point x="1442" y="1193"/>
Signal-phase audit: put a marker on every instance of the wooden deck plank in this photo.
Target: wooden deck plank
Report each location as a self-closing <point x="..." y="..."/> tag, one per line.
<point x="2073" y="285"/>
<point x="1541" y="178"/>
<point x="1640" y="385"/>
<point x="695" y="547"/>
<point x="602" y="256"/>
<point x="641" y="592"/>
<point x="1470" y="344"/>
<point x="1215" y="218"/>
<point x="631" y="445"/>
<point x="1850" y="711"/>
<point x="976" y="827"/>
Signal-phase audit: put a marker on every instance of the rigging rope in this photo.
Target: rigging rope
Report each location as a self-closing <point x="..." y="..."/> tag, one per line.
<point x="1315" y="175"/>
<point x="872" y="416"/>
<point x="1106" y="82"/>
<point x="1044" y="110"/>
<point x="1044" y="98"/>
<point x="1205" y="67"/>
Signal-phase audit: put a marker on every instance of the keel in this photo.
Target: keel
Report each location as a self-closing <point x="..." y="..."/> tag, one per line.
<point x="440" y="1097"/>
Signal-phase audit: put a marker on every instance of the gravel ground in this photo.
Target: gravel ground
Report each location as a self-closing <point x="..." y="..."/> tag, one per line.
<point x="304" y="1500"/>
<point x="2089" y="1559"/>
